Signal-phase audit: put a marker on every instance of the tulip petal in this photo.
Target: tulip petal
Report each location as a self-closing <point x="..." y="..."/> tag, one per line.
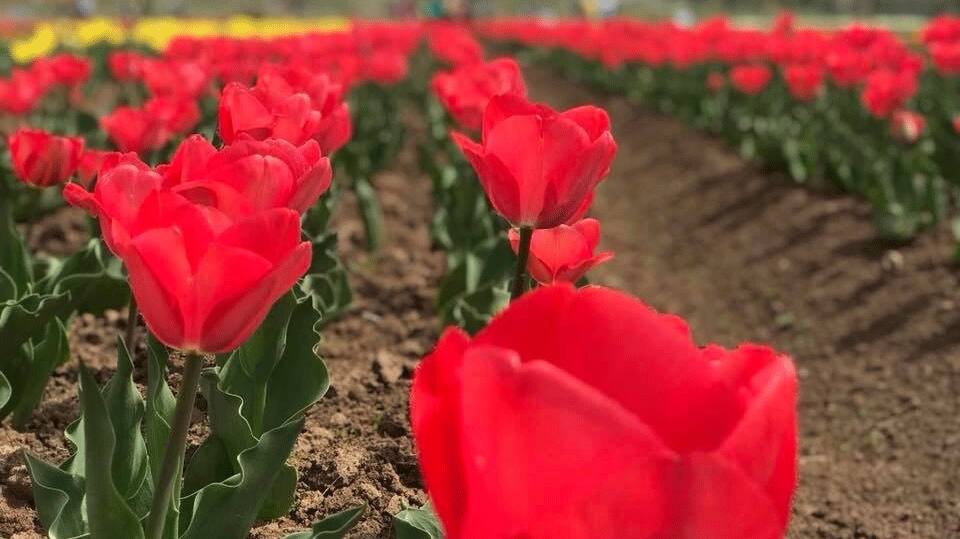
<point x="711" y="498"/>
<point x="526" y="427"/>
<point x="578" y="330"/>
<point x="518" y="144"/>
<point x="158" y="270"/>
<point x="435" y="418"/>
<point x="231" y="322"/>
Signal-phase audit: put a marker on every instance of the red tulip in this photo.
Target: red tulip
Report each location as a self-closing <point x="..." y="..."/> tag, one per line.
<point x="946" y="57"/>
<point x="126" y="66"/>
<point x="41" y="159"/>
<point x="887" y="91"/>
<point x="454" y="44"/>
<point x="89" y="166"/>
<point x="804" y="81"/>
<point x="249" y="175"/>
<point x="68" y="69"/>
<point x="204" y="277"/>
<point x="465" y="91"/>
<point x="537" y="166"/>
<point x="276" y="109"/>
<point x="586" y="414"/>
<point x="385" y="67"/>
<point x="907" y="126"/>
<point x="956" y="124"/>
<point x="750" y="79"/>
<point x="205" y="283"/>
<point x="177" y="114"/>
<point x="563" y="253"/>
<point x="716" y="82"/>
<point x="22" y="92"/>
<point x="135" y="130"/>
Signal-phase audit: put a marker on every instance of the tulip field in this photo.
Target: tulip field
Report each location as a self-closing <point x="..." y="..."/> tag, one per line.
<point x="500" y="278"/>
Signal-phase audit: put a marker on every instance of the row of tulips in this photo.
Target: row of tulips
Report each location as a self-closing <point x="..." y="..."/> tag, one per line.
<point x="208" y="175"/>
<point x="856" y="109"/>
<point x="569" y="412"/>
<point x="572" y="412"/>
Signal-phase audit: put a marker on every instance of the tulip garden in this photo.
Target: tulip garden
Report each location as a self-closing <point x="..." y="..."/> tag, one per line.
<point x="432" y="279"/>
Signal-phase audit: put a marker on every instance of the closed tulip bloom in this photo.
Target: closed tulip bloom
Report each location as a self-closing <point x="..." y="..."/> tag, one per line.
<point x="203" y="282"/>
<point x="538" y="166"/>
<point x="750" y="79"/>
<point x="564" y="253"/>
<point x="465" y="91"/>
<point x="249" y="175"/>
<point x="135" y="130"/>
<point x="907" y="126"/>
<point x="586" y="414"/>
<point x="42" y="159"/>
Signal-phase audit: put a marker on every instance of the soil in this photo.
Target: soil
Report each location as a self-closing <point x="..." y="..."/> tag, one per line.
<point x="740" y="252"/>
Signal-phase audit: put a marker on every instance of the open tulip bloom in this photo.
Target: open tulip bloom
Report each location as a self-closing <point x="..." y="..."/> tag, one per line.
<point x="586" y="414"/>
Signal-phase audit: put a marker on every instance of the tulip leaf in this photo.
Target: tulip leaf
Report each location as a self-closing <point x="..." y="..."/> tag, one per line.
<point x="27" y="318"/>
<point x="131" y="469"/>
<point x="5" y="390"/>
<point x="326" y="280"/>
<point x="158" y="416"/>
<point x="413" y="523"/>
<point x="370" y="212"/>
<point x="108" y="514"/>
<point x="228" y="509"/>
<point x="58" y="496"/>
<point x="52" y="351"/>
<point x="93" y="278"/>
<point x="8" y="287"/>
<point x="244" y="399"/>
<point x="335" y="526"/>
<point x="300" y="378"/>
<point x="14" y="258"/>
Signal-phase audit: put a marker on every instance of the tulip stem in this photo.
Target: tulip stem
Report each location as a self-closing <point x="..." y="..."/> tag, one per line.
<point x="523" y="253"/>
<point x="133" y="314"/>
<point x="173" y="454"/>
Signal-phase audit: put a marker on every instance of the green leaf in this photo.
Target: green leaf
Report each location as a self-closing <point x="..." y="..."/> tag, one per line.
<point x="326" y="280"/>
<point x="107" y="512"/>
<point x="370" y="212"/>
<point x="413" y="523"/>
<point x="27" y="318"/>
<point x="8" y="288"/>
<point x="158" y="415"/>
<point x="51" y="352"/>
<point x="131" y="470"/>
<point x="300" y="378"/>
<point x="58" y="496"/>
<point x="13" y="255"/>
<point x="5" y="390"/>
<point x="93" y="278"/>
<point x="335" y="526"/>
<point x="228" y="509"/>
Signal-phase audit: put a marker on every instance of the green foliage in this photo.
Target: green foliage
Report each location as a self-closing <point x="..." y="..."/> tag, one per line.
<point x="335" y="526"/>
<point x="263" y="386"/>
<point x="255" y="404"/>
<point x="414" y="523"/>
<point x="93" y="278"/>
<point x="326" y="281"/>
